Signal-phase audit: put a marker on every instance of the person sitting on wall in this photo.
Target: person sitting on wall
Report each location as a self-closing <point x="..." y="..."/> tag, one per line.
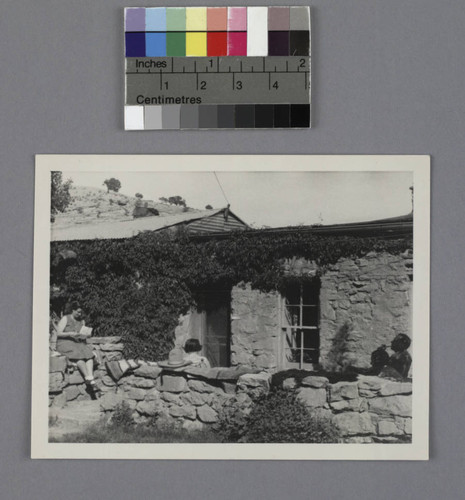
<point x="192" y="348"/>
<point x="399" y="363"/>
<point x="71" y="342"/>
<point x="379" y="359"/>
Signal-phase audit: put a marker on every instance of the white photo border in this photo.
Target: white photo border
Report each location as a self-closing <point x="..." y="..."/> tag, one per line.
<point x="418" y="449"/>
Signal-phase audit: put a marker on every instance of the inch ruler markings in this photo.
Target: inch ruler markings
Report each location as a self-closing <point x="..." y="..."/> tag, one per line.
<point x="219" y="80"/>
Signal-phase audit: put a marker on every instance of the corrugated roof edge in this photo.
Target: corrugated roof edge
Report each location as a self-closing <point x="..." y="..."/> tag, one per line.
<point x="129" y="228"/>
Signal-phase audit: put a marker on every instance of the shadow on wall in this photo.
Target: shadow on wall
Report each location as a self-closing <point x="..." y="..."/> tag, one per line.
<point x="337" y="359"/>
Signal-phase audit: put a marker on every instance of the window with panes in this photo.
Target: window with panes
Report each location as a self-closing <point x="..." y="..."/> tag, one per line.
<point x="300" y="323"/>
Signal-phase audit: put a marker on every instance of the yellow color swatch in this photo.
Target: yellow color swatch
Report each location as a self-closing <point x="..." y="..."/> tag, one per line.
<point x="196" y="44"/>
<point x="196" y="19"/>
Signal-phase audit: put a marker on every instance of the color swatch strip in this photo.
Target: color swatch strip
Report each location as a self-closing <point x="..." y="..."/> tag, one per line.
<point x="210" y="116"/>
<point x="217" y="31"/>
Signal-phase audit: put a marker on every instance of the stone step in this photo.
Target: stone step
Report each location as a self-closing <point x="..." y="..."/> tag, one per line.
<point x="76" y="416"/>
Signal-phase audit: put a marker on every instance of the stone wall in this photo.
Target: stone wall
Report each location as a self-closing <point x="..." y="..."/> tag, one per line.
<point x="255" y="331"/>
<point x="371" y="409"/>
<point x="186" y="397"/>
<point x="66" y="382"/>
<point x="364" y="303"/>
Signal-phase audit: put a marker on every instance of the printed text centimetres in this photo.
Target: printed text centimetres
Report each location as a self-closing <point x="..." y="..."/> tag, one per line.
<point x="140" y="99"/>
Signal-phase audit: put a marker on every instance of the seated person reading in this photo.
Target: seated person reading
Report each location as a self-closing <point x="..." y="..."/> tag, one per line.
<point x="71" y="342"/>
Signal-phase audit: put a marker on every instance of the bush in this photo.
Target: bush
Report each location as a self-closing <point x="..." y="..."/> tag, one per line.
<point x="278" y="417"/>
<point x="231" y="426"/>
<point x="122" y="417"/>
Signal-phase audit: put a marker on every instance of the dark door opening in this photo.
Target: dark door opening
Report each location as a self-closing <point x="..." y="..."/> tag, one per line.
<point x="215" y="306"/>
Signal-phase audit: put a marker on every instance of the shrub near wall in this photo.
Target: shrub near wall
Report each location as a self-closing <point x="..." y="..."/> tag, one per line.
<point x="138" y="287"/>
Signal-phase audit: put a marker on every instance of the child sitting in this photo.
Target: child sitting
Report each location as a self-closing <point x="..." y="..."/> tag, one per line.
<point x="192" y="348"/>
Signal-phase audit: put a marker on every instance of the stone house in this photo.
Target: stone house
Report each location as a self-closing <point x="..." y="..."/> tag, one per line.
<point x="333" y="320"/>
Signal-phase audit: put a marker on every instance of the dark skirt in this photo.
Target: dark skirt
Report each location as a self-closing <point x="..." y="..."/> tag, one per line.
<point x="74" y="349"/>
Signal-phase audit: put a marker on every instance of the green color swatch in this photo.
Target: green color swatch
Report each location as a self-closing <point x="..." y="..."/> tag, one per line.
<point x="175" y="44"/>
<point x="176" y="19"/>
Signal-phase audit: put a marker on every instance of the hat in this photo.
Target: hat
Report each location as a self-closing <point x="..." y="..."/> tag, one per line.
<point x="175" y="359"/>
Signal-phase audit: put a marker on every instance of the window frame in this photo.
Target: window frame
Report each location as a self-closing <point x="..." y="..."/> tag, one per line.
<point x="294" y="331"/>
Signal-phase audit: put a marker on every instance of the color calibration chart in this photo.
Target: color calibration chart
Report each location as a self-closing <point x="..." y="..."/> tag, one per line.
<point x="217" y="68"/>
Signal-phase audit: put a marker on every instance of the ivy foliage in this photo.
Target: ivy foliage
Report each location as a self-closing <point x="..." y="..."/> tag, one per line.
<point x="137" y="287"/>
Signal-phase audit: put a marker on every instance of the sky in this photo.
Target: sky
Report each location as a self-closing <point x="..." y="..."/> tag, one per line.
<point x="273" y="199"/>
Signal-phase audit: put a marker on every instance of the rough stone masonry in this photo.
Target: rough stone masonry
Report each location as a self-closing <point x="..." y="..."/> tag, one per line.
<point x="371" y="409"/>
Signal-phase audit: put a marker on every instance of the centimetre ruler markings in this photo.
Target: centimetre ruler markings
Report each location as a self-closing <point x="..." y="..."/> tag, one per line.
<point x="218" y="80"/>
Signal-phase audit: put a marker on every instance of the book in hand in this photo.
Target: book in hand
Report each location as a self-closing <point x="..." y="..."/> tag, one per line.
<point x="85" y="332"/>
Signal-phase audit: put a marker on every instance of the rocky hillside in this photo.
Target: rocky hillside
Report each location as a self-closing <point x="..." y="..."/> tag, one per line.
<point x="93" y="205"/>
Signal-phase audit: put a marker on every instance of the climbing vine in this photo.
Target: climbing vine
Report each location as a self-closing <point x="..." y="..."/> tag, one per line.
<point x="137" y="288"/>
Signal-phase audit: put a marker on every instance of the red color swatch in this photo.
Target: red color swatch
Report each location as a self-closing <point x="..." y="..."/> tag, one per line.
<point x="217" y="44"/>
<point x="237" y="43"/>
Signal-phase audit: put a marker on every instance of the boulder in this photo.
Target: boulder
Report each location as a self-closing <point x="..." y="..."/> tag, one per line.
<point x="351" y="423"/>
<point x="148" y="371"/>
<point x="110" y="400"/>
<point x="391" y="405"/>
<point x="58" y="364"/>
<point x="390" y="388"/>
<point x="228" y="387"/>
<point x="343" y="390"/>
<point x="169" y="397"/>
<point x="254" y="384"/>
<point x="72" y="392"/>
<point x="75" y="378"/>
<point x="152" y="395"/>
<point x="200" y="386"/>
<point x="289" y="383"/>
<point x="312" y="398"/>
<point x="388" y="428"/>
<point x="182" y="411"/>
<point x="197" y="398"/>
<point x="149" y="408"/>
<point x="56" y="382"/>
<point x="170" y="383"/>
<point x="358" y="404"/>
<point x="207" y="414"/>
<point x="111" y="347"/>
<point x="136" y="394"/>
<point x="142" y="383"/>
<point x="369" y="386"/>
<point x="315" y="382"/>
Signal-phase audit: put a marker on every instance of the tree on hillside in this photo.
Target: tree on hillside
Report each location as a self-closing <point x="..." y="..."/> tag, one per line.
<point x="60" y="195"/>
<point x="139" y="195"/>
<point x="177" y="200"/>
<point x="112" y="184"/>
<point x="208" y="207"/>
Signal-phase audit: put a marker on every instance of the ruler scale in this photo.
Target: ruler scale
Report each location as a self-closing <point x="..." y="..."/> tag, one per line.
<point x="217" y="68"/>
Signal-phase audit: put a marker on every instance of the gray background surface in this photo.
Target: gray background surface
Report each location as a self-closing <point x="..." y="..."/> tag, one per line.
<point x="388" y="78"/>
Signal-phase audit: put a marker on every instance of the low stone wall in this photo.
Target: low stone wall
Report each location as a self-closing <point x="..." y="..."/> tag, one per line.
<point x="371" y="409"/>
<point x="67" y="384"/>
<point x="186" y="397"/>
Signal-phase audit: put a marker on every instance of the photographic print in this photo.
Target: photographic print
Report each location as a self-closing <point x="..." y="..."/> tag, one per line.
<point x="231" y="307"/>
